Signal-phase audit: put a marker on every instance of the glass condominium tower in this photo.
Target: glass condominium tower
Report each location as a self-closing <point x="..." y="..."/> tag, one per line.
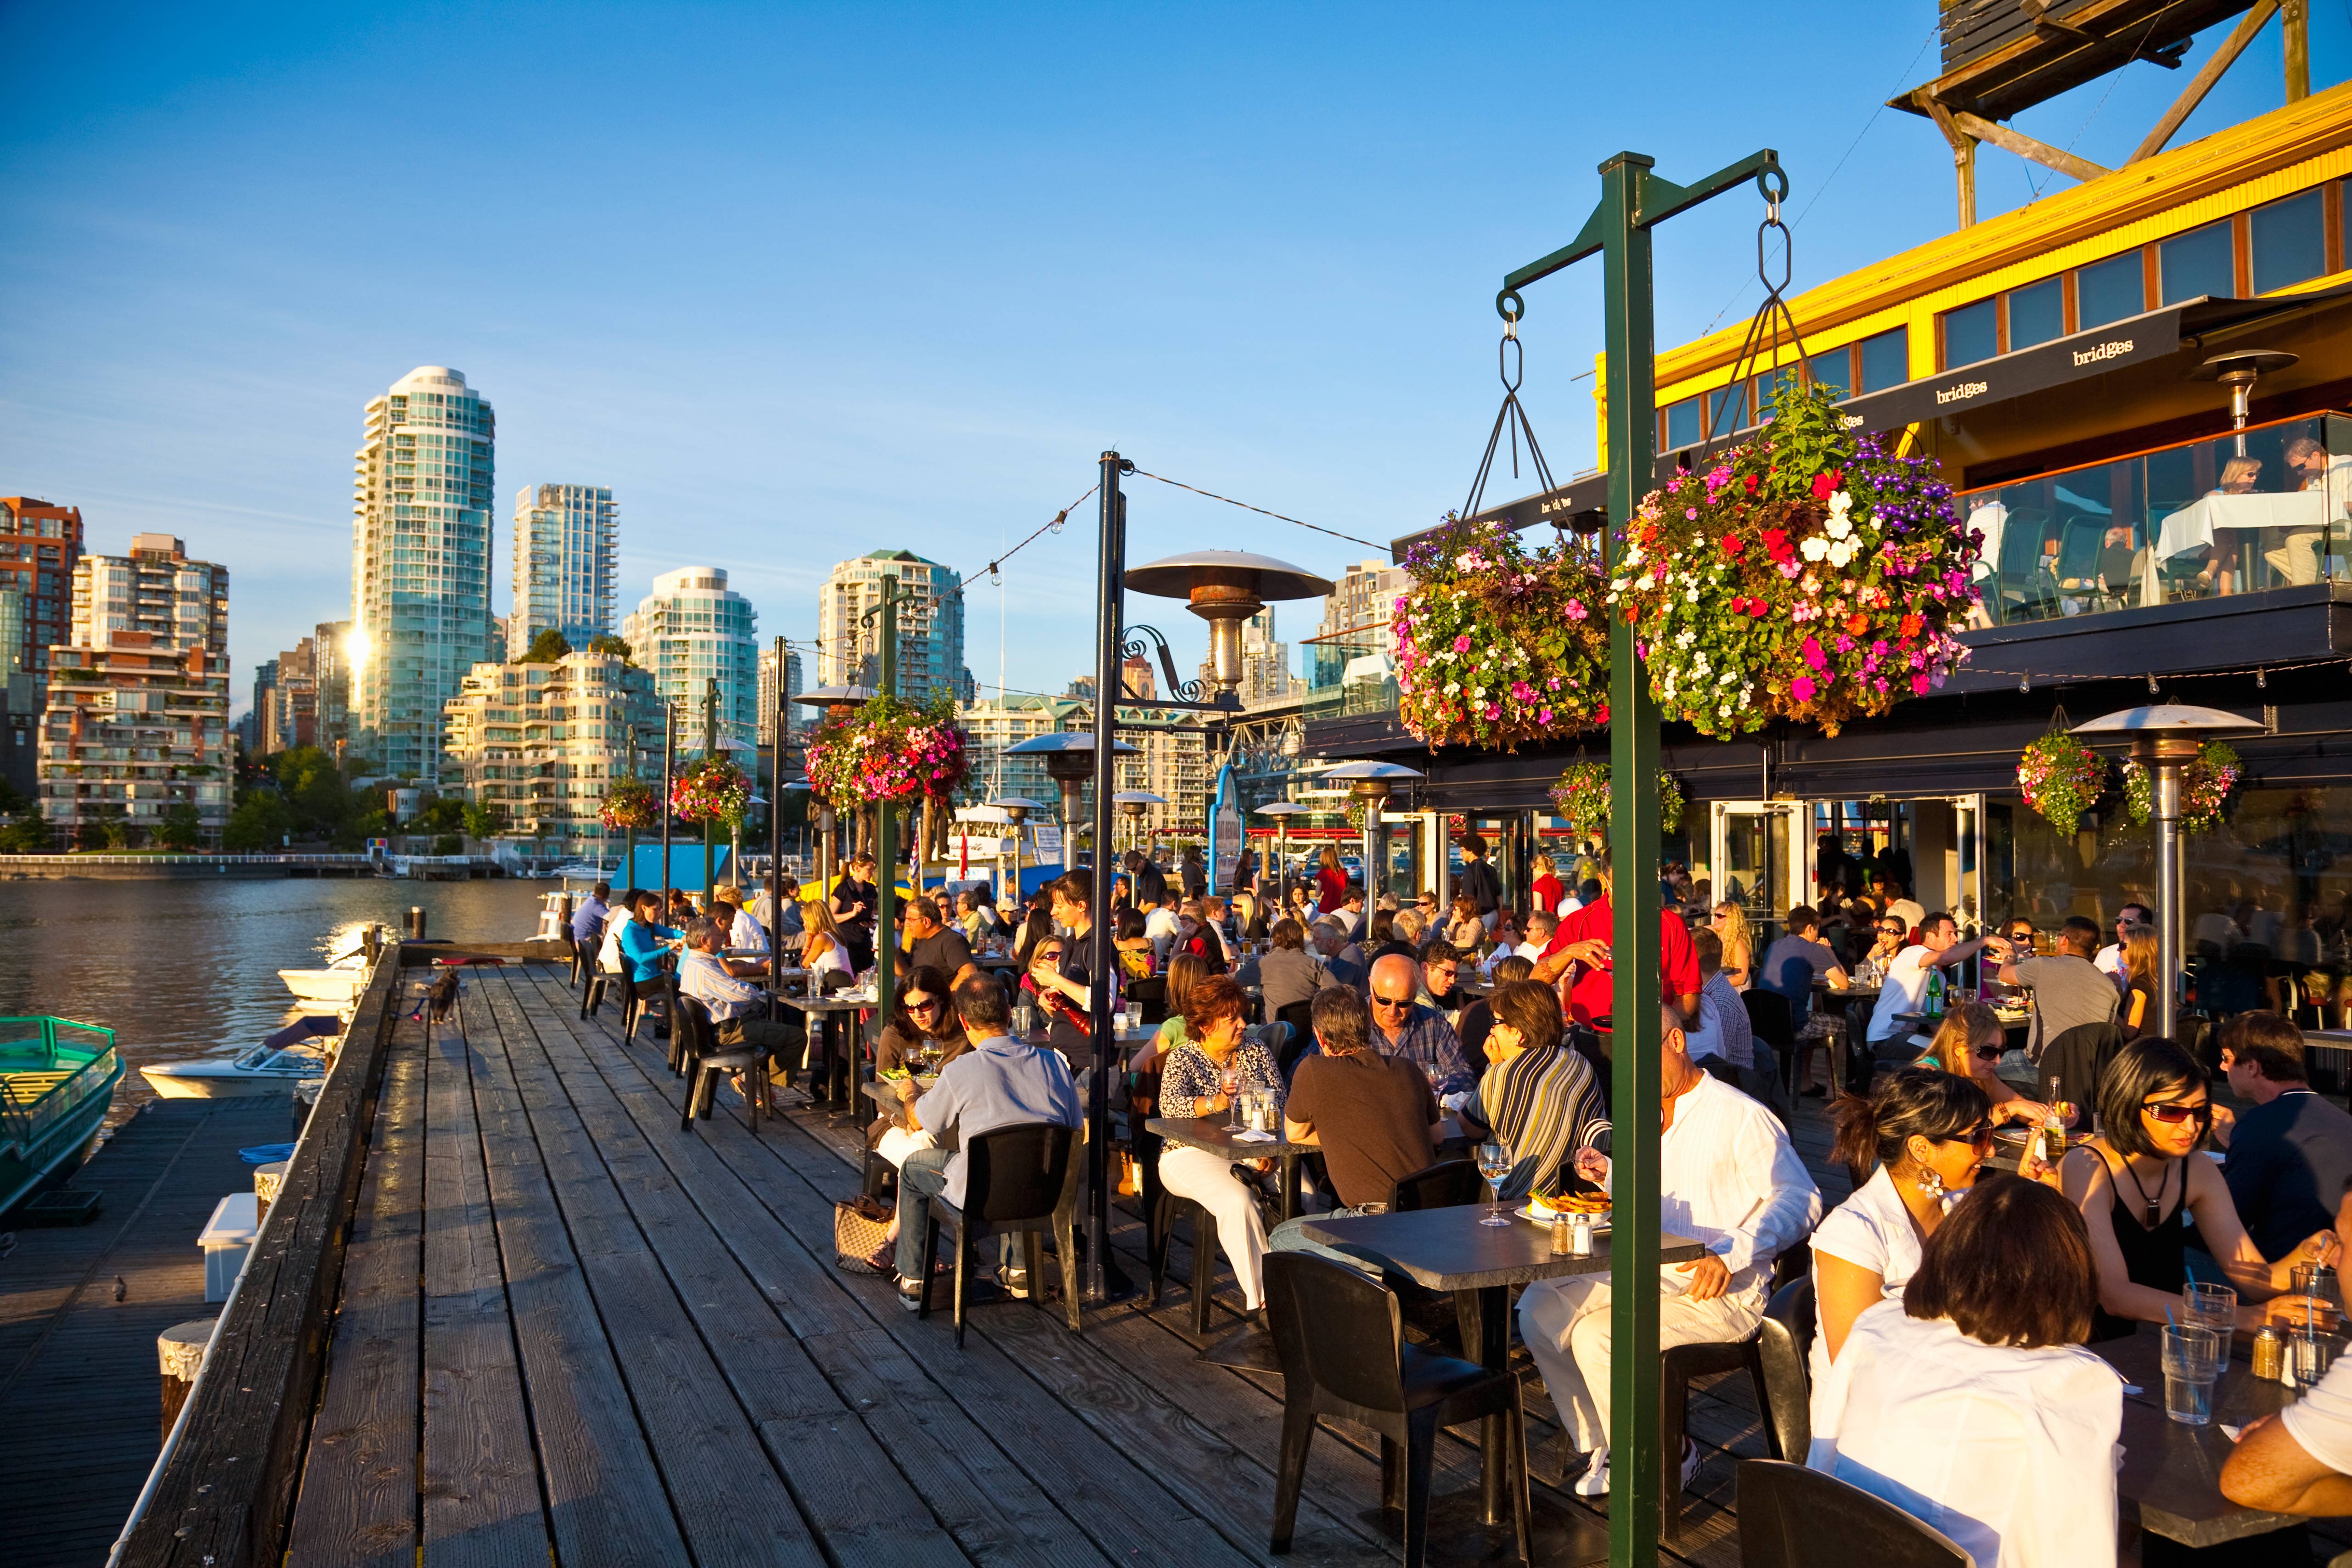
<point x="693" y="629"/>
<point x="420" y="565"/>
<point x="564" y="540"/>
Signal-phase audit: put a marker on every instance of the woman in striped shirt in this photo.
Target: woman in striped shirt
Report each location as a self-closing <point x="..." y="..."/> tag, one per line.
<point x="1539" y="1095"/>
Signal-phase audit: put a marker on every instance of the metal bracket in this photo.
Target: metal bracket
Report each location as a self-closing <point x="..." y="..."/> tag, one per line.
<point x="1182" y="693"/>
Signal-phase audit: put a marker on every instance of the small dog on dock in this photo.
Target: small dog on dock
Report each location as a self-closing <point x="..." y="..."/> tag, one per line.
<point x="439" y="1000"/>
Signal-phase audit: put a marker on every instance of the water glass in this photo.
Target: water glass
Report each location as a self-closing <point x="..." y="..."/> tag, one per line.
<point x="1495" y="1165"/>
<point x="2207" y="1306"/>
<point x="2194" y="1358"/>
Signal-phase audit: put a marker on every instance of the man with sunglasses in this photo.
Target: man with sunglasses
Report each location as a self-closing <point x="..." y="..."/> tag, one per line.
<point x="1905" y="988"/>
<point x="2068" y="987"/>
<point x="2110" y="959"/>
<point x="1404" y="1028"/>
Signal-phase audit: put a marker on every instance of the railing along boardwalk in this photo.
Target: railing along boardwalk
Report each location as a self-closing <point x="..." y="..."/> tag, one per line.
<point x="568" y="1332"/>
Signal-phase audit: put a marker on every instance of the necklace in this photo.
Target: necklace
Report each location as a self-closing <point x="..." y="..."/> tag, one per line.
<point x="2161" y="1183"/>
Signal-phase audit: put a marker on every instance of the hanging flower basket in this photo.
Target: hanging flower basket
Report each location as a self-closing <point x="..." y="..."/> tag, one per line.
<point x="630" y="803"/>
<point x="1582" y="797"/>
<point x="889" y="752"/>
<point x="2205" y="786"/>
<point x="2062" y="779"/>
<point x="712" y="790"/>
<point x="1806" y="575"/>
<point x="1497" y="644"/>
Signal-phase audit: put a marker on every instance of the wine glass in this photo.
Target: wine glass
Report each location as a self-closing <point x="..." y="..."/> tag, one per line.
<point x="1229" y="1079"/>
<point x="1495" y="1164"/>
<point x="930" y="1057"/>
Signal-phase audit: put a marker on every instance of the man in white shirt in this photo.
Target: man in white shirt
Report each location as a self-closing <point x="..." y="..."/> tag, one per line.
<point x="1350" y="912"/>
<point x="1905" y="989"/>
<point x="1539" y="929"/>
<point x="2110" y="959"/>
<point x="1727" y="1178"/>
<point x="1159" y="926"/>
<point x="2300" y="1460"/>
<point x="738" y="1007"/>
<point x="1894" y="901"/>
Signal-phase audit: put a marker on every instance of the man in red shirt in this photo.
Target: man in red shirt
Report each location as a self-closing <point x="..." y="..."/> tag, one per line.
<point x="1582" y="942"/>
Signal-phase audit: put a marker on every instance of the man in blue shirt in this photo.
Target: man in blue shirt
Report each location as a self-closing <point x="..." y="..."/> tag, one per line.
<point x="1792" y="963"/>
<point x="2291" y="1153"/>
<point x="588" y="920"/>
<point x="999" y="1082"/>
<point x="1402" y="1028"/>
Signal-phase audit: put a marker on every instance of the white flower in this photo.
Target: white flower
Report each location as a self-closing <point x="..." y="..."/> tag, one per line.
<point x="1691" y="597"/>
<point x="1841" y="552"/>
<point x="1814" y="548"/>
<point x="1633" y="554"/>
<point x="1699" y="666"/>
<point x="1840" y="503"/>
<point x="1839" y="527"/>
<point x="1686" y="637"/>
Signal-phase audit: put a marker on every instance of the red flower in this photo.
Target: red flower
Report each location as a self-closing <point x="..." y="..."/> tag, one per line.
<point x="1855" y="625"/>
<point x="1777" y="546"/>
<point x="1911" y="626"/>
<point x="1753" y="483"/>
<point x="1824" y="483"/>
<point x="1731" y="544"/>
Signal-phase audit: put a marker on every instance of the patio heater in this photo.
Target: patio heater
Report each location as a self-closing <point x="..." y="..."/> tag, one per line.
<point x="2239" y="371"/>
<point x="2164" y="738"/>
<point x="1371" y="783"/>
<point x="1225" y="588"/>
<point x="1282" y="811"/>
<point x="1016" y="809"/>
<point x="1069" y="761"/>
<point x="838" y="702"/>
<point x="1133" y="804"/>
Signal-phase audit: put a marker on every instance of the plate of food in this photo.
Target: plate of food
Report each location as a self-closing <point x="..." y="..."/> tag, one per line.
<point x="1544" y="1210"/>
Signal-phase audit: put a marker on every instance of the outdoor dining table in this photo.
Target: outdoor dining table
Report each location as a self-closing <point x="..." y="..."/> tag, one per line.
<point x="2172" y="1473"/>
<point x="833" y="1061"/>
<point x="1450" y="1249"/>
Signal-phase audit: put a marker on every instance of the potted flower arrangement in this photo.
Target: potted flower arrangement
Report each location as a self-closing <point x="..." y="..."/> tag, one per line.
<point x="711" y="790"/>
<point x="2205" y="786"/>
<point x="1497" y="644"/>
<point x="630" y="804"/>
<point x="889" y="752"/>
<point x="2060" y="778"/>
<point x="1582" y="797"/>
<point x="1806" y="575"/>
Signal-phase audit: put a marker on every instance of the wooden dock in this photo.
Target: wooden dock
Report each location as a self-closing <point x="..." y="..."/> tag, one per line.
<point x="565" y="1331"/>
<point x="79" y="1391"/>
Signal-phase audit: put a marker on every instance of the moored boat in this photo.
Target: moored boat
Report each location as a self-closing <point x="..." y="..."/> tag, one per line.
<point x="275" y="1065"/>
<point x="338" y="985"/>
<point x="56" y="1080"/>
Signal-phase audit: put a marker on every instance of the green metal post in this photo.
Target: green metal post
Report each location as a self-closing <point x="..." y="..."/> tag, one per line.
<point x="886" y="826"/>
<point x="1633" y="202"/>
<point x="709" y="750"/>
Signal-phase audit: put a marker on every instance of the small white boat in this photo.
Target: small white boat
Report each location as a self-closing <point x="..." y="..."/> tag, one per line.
<point x="340" y="984"/>
<point x="275" y="1064"/>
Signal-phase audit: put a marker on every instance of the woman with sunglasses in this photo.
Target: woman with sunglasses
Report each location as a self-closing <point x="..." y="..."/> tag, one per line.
<point x="1928" y="1134"/>
<point x="2132" y="1181"/>
<point x="925" y="1017"/>
<point x="1969" y="1044"/>
<point x="1730" y="923"/>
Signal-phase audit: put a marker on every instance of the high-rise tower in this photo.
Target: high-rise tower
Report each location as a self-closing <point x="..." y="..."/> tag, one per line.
<point x="931" y="626"/>
<point x="565" y="537"/>
<point x="420" y="565"/>
<point x="693" y="627"/>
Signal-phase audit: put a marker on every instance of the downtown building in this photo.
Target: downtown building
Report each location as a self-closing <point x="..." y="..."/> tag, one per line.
<point x="420" y="565"/>
<point x="691" y="629"/>
<point x="136" y="723"/>
<point x="566" y="539"/>
<point x="538" y="744"/>
<point x="301" y="697"/>
<point x="776" y="695"/>
<point x="930" y="627"/>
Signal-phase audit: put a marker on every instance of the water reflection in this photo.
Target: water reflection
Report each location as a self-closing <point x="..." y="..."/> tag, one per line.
<point x="190" y="968"/>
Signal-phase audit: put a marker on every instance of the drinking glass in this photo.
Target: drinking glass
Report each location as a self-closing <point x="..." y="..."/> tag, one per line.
<point x="1229" y="1079"/>
<point x="2207" y="1306"/>
<point x="1134" y="1016"/>
<point x="2192" y="1364"/>
<point x="1495" y="1164"/>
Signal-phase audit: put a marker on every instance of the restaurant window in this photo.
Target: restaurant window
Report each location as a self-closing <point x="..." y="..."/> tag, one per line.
<point x="2199" y="262"/>
<point x="2037" y="314"/>
<point x="1971" y="333"/>
<point x="2109" y="291"/>
<point x="1833" y="370"/>
<point x="1726" y="409"/>
<point x="1883" y="360"/>
<point x="1769" y="384"/>
<point x="2290" y="242"/>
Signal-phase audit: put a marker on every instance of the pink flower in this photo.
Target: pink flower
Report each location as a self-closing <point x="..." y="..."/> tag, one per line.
<point x="1544" y="716"/>
<point x="1803" y="687"/>
<point x="1813" y="654"/>
<point x="1462" y="644"/>
<point x="1576" y="610"/>
<point x="1918" y="686"/>
<point x="1521" y="692"/>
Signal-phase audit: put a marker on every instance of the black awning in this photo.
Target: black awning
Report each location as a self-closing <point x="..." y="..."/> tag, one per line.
<point x="2137" y="340"/>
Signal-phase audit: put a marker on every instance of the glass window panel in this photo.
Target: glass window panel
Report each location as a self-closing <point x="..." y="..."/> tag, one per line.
<point x="2109" y="291"/>
<point x="1727" y="408"/>
<point x="1770" y="383"/>
<point x="1833" y="370"/>
<point x="2289" y="242"/>
<point x="2038" y="314"/>
<point x="2198" y="262"/>
<point x="1970" y="333"/>
<point x="1884" y="359"/>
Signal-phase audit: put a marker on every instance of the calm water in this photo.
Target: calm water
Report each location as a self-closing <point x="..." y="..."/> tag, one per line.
<point x="186" y="969"/>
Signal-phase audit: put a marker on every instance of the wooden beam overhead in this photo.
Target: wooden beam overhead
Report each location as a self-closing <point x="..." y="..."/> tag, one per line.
<point x="2025" y="146"/>
<point x="2251" y="23"/>
<point x="1964" y="156"/>
<point x="2001" y="58"/>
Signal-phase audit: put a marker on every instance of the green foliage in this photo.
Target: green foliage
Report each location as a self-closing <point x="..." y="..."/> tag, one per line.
<point x="11" y="800"/>
<point x="318" y="804"/>
<point x="483" y="821"/>
<point x="181" y="829"/>
<point x="371" y="824"/>
<point x="261" y="821"/>
<point x="547" y="648"/>
<point x="446" y="815"/>
<point x="447" y="844"/>
<point x="25" y="835"/>
<point x="605" y="642"/>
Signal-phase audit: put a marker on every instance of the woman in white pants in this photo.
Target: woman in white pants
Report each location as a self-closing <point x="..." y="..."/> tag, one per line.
<point x="925" y="1016"/>
<point x="1191" y="1084"/>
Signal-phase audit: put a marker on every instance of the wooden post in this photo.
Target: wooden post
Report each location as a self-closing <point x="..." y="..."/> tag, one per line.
<point x="267" y="1180"/>
<point x="2296" y="24"/>
<point x="179" y="1352"/>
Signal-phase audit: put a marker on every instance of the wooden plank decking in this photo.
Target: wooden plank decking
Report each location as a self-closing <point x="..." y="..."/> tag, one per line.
<point x="569" y="1332"/>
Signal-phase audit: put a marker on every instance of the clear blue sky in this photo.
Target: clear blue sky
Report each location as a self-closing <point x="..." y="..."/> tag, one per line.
<point x="799" y="282"/>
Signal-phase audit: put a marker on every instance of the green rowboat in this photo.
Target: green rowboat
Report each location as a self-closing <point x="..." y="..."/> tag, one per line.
<point x="56" y="1080"/>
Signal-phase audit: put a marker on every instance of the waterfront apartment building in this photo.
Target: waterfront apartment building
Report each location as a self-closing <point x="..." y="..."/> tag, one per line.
<point x="770" y="698"/>
<point x="693" y="627"/>
<point x="136" y="721"/>
<point x="565" y="540"/>
<point x="40" y="544"/>
<point x="1173" y="758"/>
<point x="537" y="744"/>
<point x="931" y="626"/>
<point x="330" y="672"/>
<point x="420" y="564"/>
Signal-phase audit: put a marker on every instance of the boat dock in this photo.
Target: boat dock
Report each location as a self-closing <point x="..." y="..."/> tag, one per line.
<point x="80" y="1395"/>
<point x="564" y="1330"/>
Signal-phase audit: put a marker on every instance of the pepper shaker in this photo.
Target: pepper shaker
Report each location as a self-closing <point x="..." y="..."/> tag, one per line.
<point x="2269" y="1353"/>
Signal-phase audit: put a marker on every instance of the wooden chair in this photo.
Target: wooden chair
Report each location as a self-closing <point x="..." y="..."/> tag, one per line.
<point x="1021" y="1178"/>
<point x="694" y="1041"/>
<point x="1792" y="1517"/>
<point x="1775" y="1365"/>
<point x="1339" y="1336"/>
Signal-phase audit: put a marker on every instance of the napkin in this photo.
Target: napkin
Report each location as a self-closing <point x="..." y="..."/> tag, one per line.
<point x="1254" y="1136"/>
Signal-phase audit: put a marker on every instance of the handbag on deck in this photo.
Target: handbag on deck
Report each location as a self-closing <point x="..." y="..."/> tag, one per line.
<point x="860" y="1226"/>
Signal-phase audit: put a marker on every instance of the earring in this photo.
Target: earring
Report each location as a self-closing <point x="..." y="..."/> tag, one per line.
<point x="1929" y="1184"/>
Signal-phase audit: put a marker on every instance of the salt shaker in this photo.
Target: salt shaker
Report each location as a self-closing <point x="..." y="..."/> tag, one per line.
<point x="1580" y="1236"/>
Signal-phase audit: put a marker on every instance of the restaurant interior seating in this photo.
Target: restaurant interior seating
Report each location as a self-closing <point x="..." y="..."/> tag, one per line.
<point x="1791" y="1517"/>
<point x="1339" y="1337"/>
<point x="1775" y="1363"/>
<point x="1023" y="1179"/>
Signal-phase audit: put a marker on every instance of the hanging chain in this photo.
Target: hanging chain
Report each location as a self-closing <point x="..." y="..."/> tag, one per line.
<point x="1764" y="330"/>
<point x="1510" y="367"/>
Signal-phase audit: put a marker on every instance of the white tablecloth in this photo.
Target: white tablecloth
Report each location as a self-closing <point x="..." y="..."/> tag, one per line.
<point x="2195" y="524"/>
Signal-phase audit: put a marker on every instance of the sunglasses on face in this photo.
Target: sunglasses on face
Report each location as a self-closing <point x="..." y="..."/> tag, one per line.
<point x="2176" y="1113"/>
<point x="1398" y="1002"/>
<point x="1978" y="1137"/>
<point x="1891" y="930"/>
<point x="1052" y="956"/>
<point x="929" y="1004"/>
<point x="1987" y="1053"/>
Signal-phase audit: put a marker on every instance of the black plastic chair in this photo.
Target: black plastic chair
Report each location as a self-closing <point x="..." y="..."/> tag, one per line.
<point x="694" y="1041"/>
<point x="583" y="957"/>
<point x="1768" y="1019"/>
<point x="1151" y="996"/>
<point x="1019" y="1178"/>
<point x="1775" y="1368"/>
<point x="2079" y="1058"/>
<point x="1167" y="1213"/>
<point x="1792" y="1517"/>
<point x="1339" y="1336"/>
<point x="1448" y="1184"/>
<point x="1300" y="1017"/>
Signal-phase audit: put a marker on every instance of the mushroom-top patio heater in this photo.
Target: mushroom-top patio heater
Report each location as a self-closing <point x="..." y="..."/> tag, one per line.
<point x="1225" y="587"/>
<point x="1069" y="761"/>
<point x="1371" y="783"/>
<point x="2239" y="370"/>
<point x="2164" y="738"/>
<point x="1133" y="804"/>
<point x="1016" y="809"/>
<point x="1282" y="811"/>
